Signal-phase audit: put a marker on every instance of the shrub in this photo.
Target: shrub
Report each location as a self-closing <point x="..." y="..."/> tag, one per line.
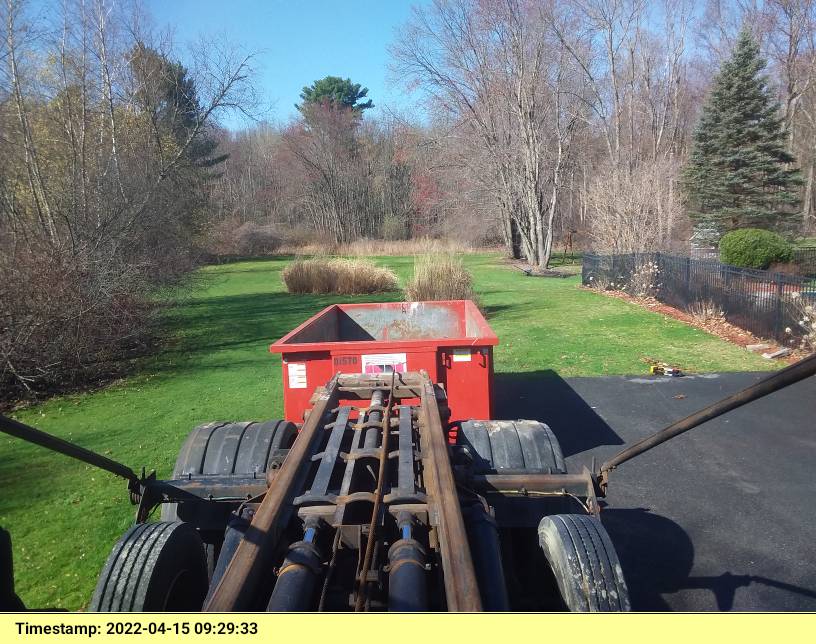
<point x="754" y="248"/>
<point x="307" y="242"/>
<point x="804" y="310"/>
<point x="219" y="240"/>
<point x="254" y="239"/>
<point x="339" y="276"/>
<point x="417" y="246"/>
<point x="440" y="276"/>
<point x="67" y="319"/>
<point x="705" y="311"/>
<point x="644" y="279"/>
<point x="231" y="238"/>
<point x="601" y="283"/>
<point x="789" y="268"/>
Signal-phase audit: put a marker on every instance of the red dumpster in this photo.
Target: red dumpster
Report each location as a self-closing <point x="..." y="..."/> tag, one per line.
<point x="450" y="340"/>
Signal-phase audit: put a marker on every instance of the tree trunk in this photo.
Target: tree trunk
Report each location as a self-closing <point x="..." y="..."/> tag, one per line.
<point x="807" y="201"/>
<point x="515" y="243"/>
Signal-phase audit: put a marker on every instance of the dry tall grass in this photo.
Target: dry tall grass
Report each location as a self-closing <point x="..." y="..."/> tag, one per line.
<point x="705" y="311"/>
<point x="439" y="276"/>
<point x="372" y="247"/>
<point x="340" y="276"/>
<point x="418" y="246"/>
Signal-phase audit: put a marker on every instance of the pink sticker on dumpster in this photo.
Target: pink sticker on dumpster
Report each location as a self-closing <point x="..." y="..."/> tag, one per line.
<point x="385" y="363"/>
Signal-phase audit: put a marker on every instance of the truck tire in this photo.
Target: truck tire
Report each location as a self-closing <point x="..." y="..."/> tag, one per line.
<point x="233" y="448"/>
<point x="584" y="563"/>
<point x="511" y="446"/>
<point x="154" y="567"/>
<point x="230" y="448"/>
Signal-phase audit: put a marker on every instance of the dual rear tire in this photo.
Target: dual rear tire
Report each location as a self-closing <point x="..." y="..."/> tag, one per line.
<point x="224" y="449"/>
<point x="166" y="566"/>
<point x="576" y="546"/>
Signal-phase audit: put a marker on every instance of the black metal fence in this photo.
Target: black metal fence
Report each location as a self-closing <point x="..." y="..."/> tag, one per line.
<point x="805" y="260"/>
<point x="769" y="305"/>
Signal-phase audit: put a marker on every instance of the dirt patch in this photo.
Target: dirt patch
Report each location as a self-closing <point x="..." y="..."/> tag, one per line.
<point x="715" y="326"/>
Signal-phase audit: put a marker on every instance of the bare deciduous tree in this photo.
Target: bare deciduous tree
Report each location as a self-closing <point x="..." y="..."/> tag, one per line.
<point x="499" y="69"/>
<point x="630" y="211"/>
<point x="101" y="191"/>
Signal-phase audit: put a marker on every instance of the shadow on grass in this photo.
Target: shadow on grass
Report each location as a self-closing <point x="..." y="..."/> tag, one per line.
<point x="9" y="601"/>
<point x="247" y="323"/>
<point x="546" y="397"/>
<point x="492" y="310"/>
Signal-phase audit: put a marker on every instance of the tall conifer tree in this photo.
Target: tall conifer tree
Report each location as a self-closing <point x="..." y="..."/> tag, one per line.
<point x="739" y="173"/>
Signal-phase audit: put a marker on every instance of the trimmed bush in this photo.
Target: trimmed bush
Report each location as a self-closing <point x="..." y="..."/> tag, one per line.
<point x="754" y="248"/>
<point x="440" y="276"/>
<point x="339" y="276"/>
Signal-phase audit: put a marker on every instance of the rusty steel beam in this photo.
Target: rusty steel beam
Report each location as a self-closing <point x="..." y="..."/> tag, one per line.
<point x="529" y="482"/>
<point x="461" y="587"/>
<point x="408" y="385"/>
<point x="787" y="376"/>
<point x="236" y="588"/>
<point x="211" y="488"/>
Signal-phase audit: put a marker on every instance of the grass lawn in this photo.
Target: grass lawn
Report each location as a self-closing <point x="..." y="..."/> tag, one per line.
<point x="64" y="517"/>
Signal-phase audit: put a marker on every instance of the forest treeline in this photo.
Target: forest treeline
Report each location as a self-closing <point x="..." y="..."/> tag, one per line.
<point x="542" y="123"/>
<point x="108" y="147"/>
<point x="545" y="123"/>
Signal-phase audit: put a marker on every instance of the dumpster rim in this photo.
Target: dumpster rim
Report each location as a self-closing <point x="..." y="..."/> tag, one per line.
<point x="487" y="337"/>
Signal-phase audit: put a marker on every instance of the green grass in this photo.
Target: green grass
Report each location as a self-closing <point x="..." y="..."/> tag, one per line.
<point x="64" y="517"/>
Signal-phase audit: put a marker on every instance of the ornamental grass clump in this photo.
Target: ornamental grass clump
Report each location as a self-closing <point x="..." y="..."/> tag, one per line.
<point x="439" y="276"/>
<point x="704" y="311"/>
<point x="338" y="276"/>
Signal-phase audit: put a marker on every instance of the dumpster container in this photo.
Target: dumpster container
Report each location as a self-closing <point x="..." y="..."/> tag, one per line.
<point x="450" y="340"/>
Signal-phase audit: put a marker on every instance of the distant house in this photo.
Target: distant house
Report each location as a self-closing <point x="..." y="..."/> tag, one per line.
<point x="703" y="242"/>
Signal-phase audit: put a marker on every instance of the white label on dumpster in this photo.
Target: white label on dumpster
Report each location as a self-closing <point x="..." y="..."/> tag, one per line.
<point x="385" y="363"/>
<point x="461" y="355"/>
<point x="297" y="375"/>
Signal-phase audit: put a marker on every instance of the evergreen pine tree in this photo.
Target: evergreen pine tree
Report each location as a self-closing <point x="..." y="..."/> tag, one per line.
<point x="739" y="173"/>
<point x="337" y="91"/>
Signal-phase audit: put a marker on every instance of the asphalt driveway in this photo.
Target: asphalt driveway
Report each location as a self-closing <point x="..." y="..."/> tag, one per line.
<point x="721" y="518"/>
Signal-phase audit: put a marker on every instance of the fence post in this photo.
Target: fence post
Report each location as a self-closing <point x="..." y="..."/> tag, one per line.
<point x="688" y="275"/>
<point x="660" y="276"/>
<point x="780" y="290"/>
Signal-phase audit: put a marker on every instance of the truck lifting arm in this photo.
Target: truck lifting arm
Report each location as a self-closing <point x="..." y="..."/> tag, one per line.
<point x="779" y="380"/>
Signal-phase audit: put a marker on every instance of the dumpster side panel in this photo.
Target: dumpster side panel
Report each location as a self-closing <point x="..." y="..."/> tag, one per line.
<point x="302" y="373"/>
<point x="468" y="376"/>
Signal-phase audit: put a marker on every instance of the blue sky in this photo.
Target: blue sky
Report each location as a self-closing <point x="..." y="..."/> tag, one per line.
<point x="299" y="41"/>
